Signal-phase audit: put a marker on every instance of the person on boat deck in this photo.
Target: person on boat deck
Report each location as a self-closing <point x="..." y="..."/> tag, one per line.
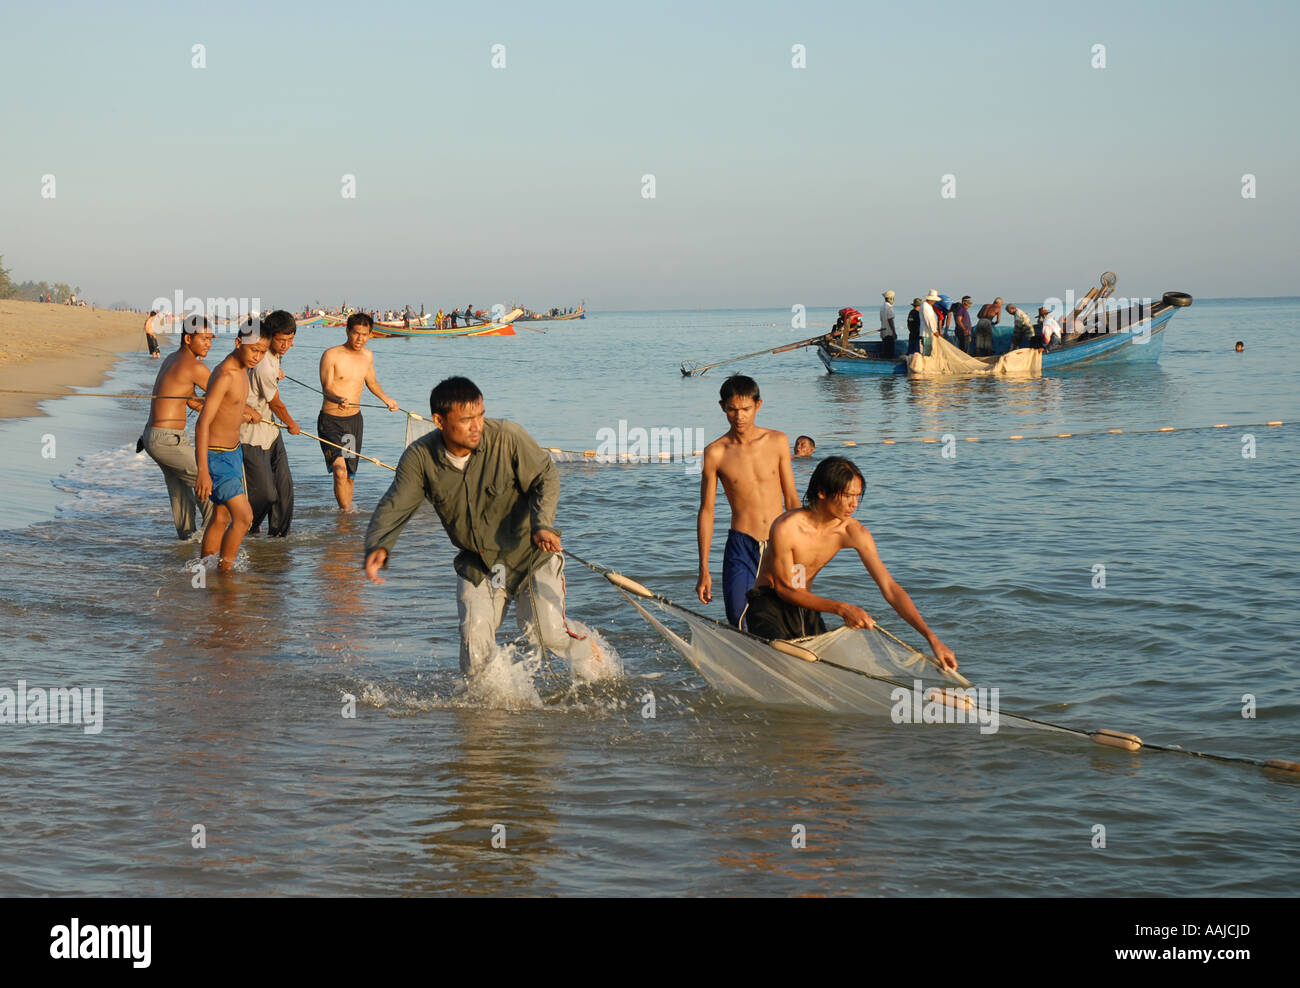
<point x="914" y="328"/>
<point x="803" y="447"/>
<point x="1049" y="330"/>
<point x="929" y="318"/>
<point x="961" y="323"/>
<point x="496" y="493"/>
<point x="754" y="467"/>
<point x="990" y="315"/>
<point x="802" y="542"/>
<point x="1023" y="334"/>
<point x="942" y="310"/>
<point x="888" y="334"/>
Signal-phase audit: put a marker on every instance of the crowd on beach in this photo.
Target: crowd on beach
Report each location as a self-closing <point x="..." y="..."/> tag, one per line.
<point x="495" y="490"/>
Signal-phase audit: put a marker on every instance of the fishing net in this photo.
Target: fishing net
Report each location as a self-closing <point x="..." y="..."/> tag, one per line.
<point x="744" y="666"/>
<point x="415" y="428"/>
<point x="946" y="359"/>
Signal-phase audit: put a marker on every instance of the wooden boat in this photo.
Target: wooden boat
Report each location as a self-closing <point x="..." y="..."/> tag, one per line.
<point x="1117" y="335"/>
<point x="579" y="313"/>
<point x="491" y="329"/>
<point x="399" y="324"/>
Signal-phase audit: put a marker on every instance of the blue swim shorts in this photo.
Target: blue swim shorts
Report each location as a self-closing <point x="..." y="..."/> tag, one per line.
<point x="740" y="561"/>
<point x="226" y="467"/>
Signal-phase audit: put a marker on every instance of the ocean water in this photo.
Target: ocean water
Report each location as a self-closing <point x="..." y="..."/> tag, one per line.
<point x="223" y="705"/>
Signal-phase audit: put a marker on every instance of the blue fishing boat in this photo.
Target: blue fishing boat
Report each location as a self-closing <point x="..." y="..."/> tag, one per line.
<point x="1126" y="334"/>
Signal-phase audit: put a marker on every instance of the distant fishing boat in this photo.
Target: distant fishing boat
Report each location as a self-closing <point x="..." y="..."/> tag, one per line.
<point x="490" y="329"/>
<point x="579" y="313"/>
<point x="1132" y="334"/>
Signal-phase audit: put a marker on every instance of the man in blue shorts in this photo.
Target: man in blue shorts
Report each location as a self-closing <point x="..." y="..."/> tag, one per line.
<point x="219" y="457"/>
<point x="754" y="467"/>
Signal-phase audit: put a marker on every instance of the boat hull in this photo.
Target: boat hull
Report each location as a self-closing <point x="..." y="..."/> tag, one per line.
<point x="1140" y="343"/>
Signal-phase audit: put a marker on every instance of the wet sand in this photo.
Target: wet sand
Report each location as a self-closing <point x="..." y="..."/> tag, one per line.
<point x="48" y="350"/>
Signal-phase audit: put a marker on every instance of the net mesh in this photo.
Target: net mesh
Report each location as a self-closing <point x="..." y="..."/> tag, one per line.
<point x="740" y="665"/>
<point x="946" y="359"/>
<point x="415" y="428"/>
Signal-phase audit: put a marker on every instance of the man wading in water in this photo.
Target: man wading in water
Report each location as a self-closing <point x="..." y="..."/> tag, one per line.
<point x="165" y="439"/>
<point x="754" y="467"/>
<point x="496" y="492"/>
<point x="782" y="604"/>
<point x="344" y="370"/>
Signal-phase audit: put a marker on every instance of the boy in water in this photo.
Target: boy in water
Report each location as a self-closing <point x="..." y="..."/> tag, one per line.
<point x="220" y="459"/>
<point x="782" y="604"/>
<point x="344" y="370"/>
<point x="165" y="439"/>
<point x="754" y="467"/>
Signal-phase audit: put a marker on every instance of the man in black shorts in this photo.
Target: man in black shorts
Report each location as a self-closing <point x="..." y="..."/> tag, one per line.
<point x="802" y="541"/>
<point x="344" y="370"/>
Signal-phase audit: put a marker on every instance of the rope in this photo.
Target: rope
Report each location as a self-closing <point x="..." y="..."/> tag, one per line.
<point x="1097" y="735"/>
<point x="350" y="452"/>
<point x="749" y="634"/>
<point x="1073" y="435"/>
<point x="414" y="415"/>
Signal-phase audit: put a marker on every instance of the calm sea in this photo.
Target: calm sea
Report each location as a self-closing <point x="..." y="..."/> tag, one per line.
<point x="223" y="705"/>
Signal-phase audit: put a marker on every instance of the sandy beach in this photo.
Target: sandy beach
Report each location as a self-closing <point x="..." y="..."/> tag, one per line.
<point x="48" y="350"/>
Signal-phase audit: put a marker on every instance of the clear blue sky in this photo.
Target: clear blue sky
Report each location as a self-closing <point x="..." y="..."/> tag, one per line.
<point x="774" y="185"/>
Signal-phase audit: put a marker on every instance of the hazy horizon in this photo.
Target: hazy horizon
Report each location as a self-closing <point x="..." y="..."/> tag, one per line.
<point x="774" y="185"/>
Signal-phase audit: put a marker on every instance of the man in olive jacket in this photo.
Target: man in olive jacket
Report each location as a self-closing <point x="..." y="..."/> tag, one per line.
<point x="496" y="492"/>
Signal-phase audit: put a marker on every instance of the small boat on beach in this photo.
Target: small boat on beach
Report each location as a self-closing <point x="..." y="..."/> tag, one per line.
<point x="1131" y="333"/>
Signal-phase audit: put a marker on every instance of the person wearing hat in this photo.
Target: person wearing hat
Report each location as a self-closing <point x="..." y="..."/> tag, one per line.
<point x="930" y="318"/>
<point x="887" y="332"/>
<point x="1024" y="328"/>
<point x="961" y="323"/>
<point x="914" y="328"/>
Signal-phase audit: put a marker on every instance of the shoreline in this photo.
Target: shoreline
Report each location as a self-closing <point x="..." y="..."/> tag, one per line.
<point x="49" y="350"/>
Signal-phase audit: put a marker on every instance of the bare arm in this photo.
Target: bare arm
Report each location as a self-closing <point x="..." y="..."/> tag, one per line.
<point x="282" y="413"/>
<point x="788" y="490"/>
<point x="199" y="380"/>
<point x="373" y="384"/>
<point x="790" y="581"/>
<point x="895" y="596"/>
<point x="704" y="522"/>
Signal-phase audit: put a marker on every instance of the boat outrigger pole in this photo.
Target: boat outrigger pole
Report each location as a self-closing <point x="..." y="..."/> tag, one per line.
<point x="691" y="368"/>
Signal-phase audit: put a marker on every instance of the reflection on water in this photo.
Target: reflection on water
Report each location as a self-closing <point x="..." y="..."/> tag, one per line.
<point x="225" y="705"/>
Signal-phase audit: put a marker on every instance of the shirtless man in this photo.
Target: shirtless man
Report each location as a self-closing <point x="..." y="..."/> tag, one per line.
<point x="220" y="459"/>
<point x="151" y="335"/>
<point x="782" y="604"/>
<point x="754" y="467"/>
<point x="343" y="371"/>
<point x="165" y="439"/>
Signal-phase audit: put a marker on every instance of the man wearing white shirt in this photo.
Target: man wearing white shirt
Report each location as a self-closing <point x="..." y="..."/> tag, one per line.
<point x="887" y="332"/>
<point x="929" y="318"/>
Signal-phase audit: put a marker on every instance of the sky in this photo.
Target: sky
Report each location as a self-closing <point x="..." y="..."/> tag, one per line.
<point x="972" y="148"/>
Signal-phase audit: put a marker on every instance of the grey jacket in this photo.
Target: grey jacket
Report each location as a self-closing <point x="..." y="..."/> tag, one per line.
<point x="508" y="490"/>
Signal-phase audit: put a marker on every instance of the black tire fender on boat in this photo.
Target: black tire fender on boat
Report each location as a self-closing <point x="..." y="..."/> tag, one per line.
<point x="1179" y="299"/>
